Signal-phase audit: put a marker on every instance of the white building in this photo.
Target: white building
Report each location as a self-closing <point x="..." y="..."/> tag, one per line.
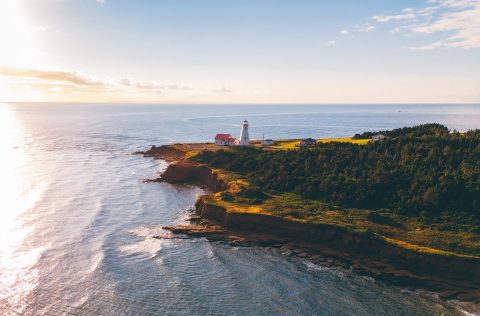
<point x="378" y="137"/>
<point x="244" y="137"/>
<point x="225" y="140"/>
<point x="268" y="142"/>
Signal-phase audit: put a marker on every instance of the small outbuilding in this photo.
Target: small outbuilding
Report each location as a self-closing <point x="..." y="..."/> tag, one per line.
<point x="226" y="140"/>
<point x="268" y="142"/>
<point x="307" y="142"/>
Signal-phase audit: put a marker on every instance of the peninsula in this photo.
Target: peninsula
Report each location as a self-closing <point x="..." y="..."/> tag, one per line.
<point x="402" y="206"/>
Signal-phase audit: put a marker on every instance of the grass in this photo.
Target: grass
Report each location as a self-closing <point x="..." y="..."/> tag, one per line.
<point x="405" y="231"/>
<point x="286" y="144"/>
<point x="406" y="245"/>
<point x="344" y="140"/>
<point x="193" y="149"/>
<point x="401" y="231"/>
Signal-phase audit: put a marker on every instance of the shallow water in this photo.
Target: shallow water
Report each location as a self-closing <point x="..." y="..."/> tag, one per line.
<point x="77" y="222"/>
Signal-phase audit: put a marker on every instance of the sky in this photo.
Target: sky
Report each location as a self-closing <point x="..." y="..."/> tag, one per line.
<point x="240" y="51"/>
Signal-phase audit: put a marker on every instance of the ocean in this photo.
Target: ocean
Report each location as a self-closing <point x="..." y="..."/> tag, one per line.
<point x="77" y="222"/>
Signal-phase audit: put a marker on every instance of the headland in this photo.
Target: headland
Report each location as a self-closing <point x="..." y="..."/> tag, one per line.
<point x="390" y="246"/>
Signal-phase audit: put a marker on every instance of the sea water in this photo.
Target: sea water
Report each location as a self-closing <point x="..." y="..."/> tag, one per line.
<point x="77" y="222"/>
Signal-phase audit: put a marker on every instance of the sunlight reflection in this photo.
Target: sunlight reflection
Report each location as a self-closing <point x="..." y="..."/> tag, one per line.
<point x="16" y="34"/>
<point x="18" y="195"/>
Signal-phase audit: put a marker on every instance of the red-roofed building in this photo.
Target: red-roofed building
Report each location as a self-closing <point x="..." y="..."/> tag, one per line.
<point x="225" y="140"/>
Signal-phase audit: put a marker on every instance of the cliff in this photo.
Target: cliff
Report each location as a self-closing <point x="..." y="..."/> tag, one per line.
<point x="182" y="171"/>
<point x="177" y="152"/>
<point x="364" y="252"/>
<point x="165" y="152"/>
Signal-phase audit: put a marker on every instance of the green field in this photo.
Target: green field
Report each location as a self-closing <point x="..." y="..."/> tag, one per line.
<point x="285" y="144"/>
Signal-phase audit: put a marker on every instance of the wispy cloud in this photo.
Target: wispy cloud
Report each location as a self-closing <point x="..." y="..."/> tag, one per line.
<point x="456" y="21"/>
<point x="77" y="83"/>
<point x="344" y="32"/>
<point x="365" y="28"/>
<point x="221" y="90"/>
<point x="407" y="14"/>
<point x="53" y="77"/>
<point x="462" y="27"/>
<point x="150" y="85"/>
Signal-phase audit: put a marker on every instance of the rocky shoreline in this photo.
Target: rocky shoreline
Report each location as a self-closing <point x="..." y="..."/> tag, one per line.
<point x="451" y="278"/>
<point x="465" y="300"/>
<point x="385" y="266"/>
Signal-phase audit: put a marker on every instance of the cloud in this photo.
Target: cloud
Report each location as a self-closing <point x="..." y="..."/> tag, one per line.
<point x="100" y="1"/>
<point x="453" y="3"/>
<point x="331" y="42"/>
<point x="52" y="76"/>
<point x="344" y="32"/>
<point x="398" y="17"/>
<point x="221" y="90"/>
<point x="462" y="28"/>
<point x="397" y="30"/>
<point x="152" y="85"/>
<point x="125" y="82"/>
<point x="365" y="28"/>
<point x="457" y="22"/>
<point x="73" y="82"/>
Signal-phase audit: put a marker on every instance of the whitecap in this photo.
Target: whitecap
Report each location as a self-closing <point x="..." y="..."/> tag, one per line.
<point x="148" y="246"/>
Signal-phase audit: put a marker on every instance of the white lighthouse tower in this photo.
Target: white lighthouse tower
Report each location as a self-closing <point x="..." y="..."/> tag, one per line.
<point x="244" y="138"/>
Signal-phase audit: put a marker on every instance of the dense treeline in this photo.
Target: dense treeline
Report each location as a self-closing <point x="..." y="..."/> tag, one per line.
<point x="416" y="131"/>
<point x="420" y="169"/>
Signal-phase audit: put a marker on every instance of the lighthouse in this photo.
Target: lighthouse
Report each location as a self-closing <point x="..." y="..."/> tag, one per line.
<point x="244" y="138"/>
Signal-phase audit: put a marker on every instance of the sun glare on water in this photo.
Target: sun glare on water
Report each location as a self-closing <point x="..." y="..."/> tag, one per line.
<point x="18" y="196"/>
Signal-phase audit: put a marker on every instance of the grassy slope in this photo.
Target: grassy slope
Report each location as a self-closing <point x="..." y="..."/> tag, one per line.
<point x="405" y="232"/>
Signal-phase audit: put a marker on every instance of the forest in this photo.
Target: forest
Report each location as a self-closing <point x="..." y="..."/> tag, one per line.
<point x="425" y="169"/>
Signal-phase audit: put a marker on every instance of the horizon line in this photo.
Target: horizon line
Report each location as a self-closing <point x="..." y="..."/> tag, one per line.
<point x="238" y="103"/>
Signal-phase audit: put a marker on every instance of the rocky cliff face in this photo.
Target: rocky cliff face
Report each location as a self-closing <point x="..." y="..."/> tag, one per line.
<point x="210" y="211"/>
<point x="166" y="152"/>
<point x="364" y="252"/>
<point x="191" y="172"/>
